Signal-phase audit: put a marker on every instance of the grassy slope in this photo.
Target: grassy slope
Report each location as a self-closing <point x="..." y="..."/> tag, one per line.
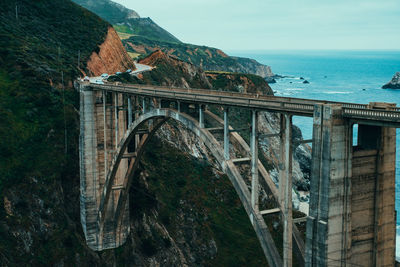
<point x="34" y="49"/>
<point x="145" y="27"/>
<point x="118" y="16"/>
<point x="108" y="10"/>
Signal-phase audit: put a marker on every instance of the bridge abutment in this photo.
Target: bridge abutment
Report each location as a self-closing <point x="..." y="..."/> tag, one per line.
<point x="103" y="123"/>
<point x="352" y="213"/>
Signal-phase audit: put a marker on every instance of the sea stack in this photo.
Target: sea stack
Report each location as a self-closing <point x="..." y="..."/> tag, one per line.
<point x="394" y="83"/>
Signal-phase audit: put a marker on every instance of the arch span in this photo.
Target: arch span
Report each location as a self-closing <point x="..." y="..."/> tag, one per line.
<point x="160" y="116"/>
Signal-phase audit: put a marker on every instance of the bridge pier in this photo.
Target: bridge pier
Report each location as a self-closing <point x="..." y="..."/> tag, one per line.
<point x="226" y="134"/>
<point x="254" y="161"/>
<point x="285" y="186"/>
<point x="129" y="111"/>
<point x="201" y="116"/>
<point x="352" y="214"/>
<point x="95" y="157"/>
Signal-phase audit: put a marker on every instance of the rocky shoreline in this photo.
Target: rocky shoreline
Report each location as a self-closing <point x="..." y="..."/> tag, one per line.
<point x="394" y="83"/>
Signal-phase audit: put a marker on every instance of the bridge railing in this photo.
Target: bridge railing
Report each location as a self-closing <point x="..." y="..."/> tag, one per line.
<point x="295" y="106"/>
<point x="372" y="114"/>
<point x="218" y="97"/>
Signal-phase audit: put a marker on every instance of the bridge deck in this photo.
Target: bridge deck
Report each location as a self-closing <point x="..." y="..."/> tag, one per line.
<point x="358" y="113"/>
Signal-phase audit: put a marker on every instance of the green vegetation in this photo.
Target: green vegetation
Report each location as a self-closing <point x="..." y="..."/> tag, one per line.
<point x="108" y="10"/>
<point x="127" y="21"/>
<point x="31" y="95"/>
<point x="36" y="47"/>
<point x="145" y="27"/>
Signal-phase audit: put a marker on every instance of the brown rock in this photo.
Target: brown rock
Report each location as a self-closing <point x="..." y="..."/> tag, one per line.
<point x="112" y="57"/>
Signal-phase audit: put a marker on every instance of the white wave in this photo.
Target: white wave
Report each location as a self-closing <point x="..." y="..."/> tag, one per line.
<point x="294" y="89"/>
<point x="337" y="92"/>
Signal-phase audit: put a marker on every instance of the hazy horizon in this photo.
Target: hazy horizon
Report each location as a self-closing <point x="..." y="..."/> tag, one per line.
<point x="278" y="25"/>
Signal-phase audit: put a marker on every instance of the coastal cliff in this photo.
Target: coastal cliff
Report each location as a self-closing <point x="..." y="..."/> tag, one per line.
<point x="111" y="56"/>
<point x="394" y="83"/>
<point x="142" y="36"/>
<point x="207" y="58"/>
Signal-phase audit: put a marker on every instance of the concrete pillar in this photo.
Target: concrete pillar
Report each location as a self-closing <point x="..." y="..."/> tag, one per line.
<point x="137" y="137"/>
<point x="105" y="132"/>
<point x="226" y="134"/>
<point x="144" y="105"/>
<point x="129" y="111"/>
<point x="385" y="217"/>
<point x="201" y="116"/>
<point x="88" y="167"/>
<point x="116" y="115"/>
<point x="373" y="217"/>
<point x="178" y="103"/>
<point x="285" y="187"/>
<point x="254" y="160"/>
<point x="328" y="224"/>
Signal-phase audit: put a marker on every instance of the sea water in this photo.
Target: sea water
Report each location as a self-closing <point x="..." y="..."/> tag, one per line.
<point x="345" y="76"/>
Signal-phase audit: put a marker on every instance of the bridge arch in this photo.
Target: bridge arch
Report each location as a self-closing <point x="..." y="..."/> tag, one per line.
<point x="159" y="117"/>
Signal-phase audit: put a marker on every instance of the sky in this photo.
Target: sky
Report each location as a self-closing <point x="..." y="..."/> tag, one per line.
<point x="244" y="25"/>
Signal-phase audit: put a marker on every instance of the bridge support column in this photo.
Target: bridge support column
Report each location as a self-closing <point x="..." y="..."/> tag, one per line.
<point x="201" y="116"/>
<point x="105" y="131"/>
<point x="96" y="136"/>
<point x="137" y="137"/>
<point x="226" y="134"/>
<point x="254" y="160"/>
<point x="144" y="105"/>
<point x="373" y="218"/>
<point x="129" y="111"/>
<point x="328" y="223"/>
<point x="116" y="116"/>
<point x="285" y="186"/>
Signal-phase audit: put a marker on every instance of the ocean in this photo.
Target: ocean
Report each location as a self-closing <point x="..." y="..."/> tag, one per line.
<point x="346" y="76"/>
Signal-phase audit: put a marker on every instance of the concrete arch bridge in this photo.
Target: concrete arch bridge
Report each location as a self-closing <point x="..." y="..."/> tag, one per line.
<point x="351" y="218"/>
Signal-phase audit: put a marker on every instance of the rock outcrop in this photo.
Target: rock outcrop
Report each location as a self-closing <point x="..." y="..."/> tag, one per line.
<point x="111" y="56"/>
<point x="171" y="71"/>
<point x="394" y="83"/>
<point x="239" y="82"/>
<point x="207" y="58"/>
<point x="254" y="67"/>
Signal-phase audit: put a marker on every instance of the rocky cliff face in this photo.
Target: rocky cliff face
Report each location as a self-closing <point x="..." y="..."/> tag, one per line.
<point x="394" y="83"/>
<point x="208" y="58"/>
<point x="252" y="66"/>
<point x="171" y="71"/>
<point x="111" y="56"/>
<point x="242" y="83"/>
